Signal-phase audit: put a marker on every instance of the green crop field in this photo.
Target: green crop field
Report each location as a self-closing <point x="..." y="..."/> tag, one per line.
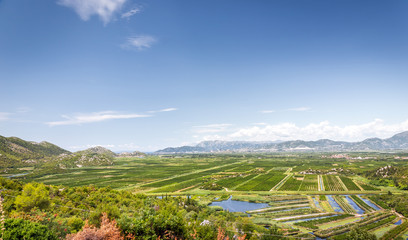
<point x="309" y="183"/>
<point x="331" y="183"/>
<point x="288" y="185"/>
<point x="351" y="186"/>
<point x="292" y="184"/>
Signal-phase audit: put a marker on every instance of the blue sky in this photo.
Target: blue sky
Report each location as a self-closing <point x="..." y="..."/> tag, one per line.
<point x="143" y="75"/>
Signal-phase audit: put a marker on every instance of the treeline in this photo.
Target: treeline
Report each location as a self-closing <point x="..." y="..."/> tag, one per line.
<point x="66" y="211"/>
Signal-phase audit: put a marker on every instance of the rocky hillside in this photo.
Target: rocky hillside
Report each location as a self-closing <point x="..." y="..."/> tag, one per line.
<point x="97" y="156"/>
<point x="17" y="152"/>
<point x="131" y="154"/>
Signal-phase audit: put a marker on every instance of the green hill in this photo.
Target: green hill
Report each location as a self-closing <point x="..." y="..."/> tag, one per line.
<point x="15" y="152"/>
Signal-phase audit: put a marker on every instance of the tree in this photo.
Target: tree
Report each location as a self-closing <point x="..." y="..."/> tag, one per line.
<point x="33" y="195"/>
<point x="22" y="229"/>
<point x="359" y="234"/>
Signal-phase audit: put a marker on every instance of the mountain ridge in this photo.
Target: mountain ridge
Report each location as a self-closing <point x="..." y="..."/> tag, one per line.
<point x="396" y="142"/>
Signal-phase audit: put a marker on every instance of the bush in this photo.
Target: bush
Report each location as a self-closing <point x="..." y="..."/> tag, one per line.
<point x="16" y="229"/>
<point x="34" y="195"/>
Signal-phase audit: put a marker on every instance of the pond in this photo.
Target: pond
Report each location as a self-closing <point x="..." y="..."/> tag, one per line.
<point x="239" y="206"/>
<point x="399" y="222"/>
<point x="17" y="175"/>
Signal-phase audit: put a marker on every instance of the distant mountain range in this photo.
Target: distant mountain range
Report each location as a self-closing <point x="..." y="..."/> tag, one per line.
<point x="396" y="142"/>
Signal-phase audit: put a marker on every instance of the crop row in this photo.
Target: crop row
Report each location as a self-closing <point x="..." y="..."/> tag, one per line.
<point x="331" y="183"/>
<point x="362" y="204"/>
<point x="367" y="187"/>
<point x="393" y="233"/>
<point x="302" y="201"/>
<point x="309" y="183"/>
<point x="294" y="212"/>
<point x="345" y="228"/>
<point x="186" y="177"/>
<point x="179" y="186"/>
<point x="382" y="222"/>
<point x="270" y="182"/>
<point x="285" y="198"/>
<point x="292" y="184"/>
<point x="312" y="223"/>
<point x="369" y="227"/>
<point x="344" y="204"/>
<point x="263" y="182"/>
<point x="230" y="182"/>
<point x="351" y="186"/>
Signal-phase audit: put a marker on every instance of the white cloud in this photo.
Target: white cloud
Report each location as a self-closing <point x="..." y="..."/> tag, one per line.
<point x="168" y="110"/>
<point x="211" y="128"/>
<point x="299" y="109"/>
<point x="130" y="13"/>
<point x="164" y="110"/>
<point x="105" y="9"/>
<point x="268" y="111"/>
<point x="139" y="42"/>
<point x="4" y="116"/>
<point x="313" y="131"/>
<point x="94" y="117"/>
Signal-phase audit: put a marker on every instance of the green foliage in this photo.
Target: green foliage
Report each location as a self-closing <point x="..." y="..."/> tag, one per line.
<point x="331" y="183"/>
<point x="397" y="202"/>
<point x="17" y="229"/>
<point x="361" y="203"/>
<point x="211" y="185"/>
<point x="359" y="234"/>
<point x="231" y="182"/>
<point x="274" y="233"/>
<point x="13" y="150"/>
<point x="292" y="184"/>
<point x="263" y="182"/>
<point x="312" y="223"/>
<point x="393" y="233"/>
<point x="34" y="195"/>
<point x="309" y="183"/>
<point x="351" y="186"/>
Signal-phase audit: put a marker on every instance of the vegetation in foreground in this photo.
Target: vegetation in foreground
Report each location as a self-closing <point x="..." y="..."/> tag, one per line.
<point x="70" y="202"/>
<point x="38" y="211"/>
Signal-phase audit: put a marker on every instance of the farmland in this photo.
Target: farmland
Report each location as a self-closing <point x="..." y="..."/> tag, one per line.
<point x="304" y="194"/>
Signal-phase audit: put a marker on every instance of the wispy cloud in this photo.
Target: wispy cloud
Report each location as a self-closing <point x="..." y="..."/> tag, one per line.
<point x="314" y="131"/>
<point x="4" y="116"/>
<point x="94" y="117"/>
<point x="268" y="111"/>
<point x="105" y="9"/>
<point x="139" y="42"/>
<point x="211" y="128"/>
<point x="299" y="109"/>
<point x="130" y="13"/>
<point x="164" y="110"/>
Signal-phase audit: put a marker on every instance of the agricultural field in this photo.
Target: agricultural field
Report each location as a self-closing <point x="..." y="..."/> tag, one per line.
<point x="307" y="196"/>
<point x="309" y="183"/>
<point x="332" y="183"/>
